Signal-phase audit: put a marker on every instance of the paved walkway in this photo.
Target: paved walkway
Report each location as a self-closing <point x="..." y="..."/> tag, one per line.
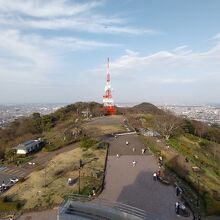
<point x="134" y="185"/>
<point x="44" y="215"/>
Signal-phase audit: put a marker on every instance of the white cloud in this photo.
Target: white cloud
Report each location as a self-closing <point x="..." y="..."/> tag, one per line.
<point x="131" y="52"/>
<point x="64" y="14"/>
<point x="182" y="50"/>
<point x="171" y="80"/>
<point x="92" y="25"/>
<point x="70" y="43"/>
<point x="216" y="37"/>
<point x="31" y="58"/>
<point x="42" y="8"/>
<point x="180" y="66"/>
<point x="21" y="58"/>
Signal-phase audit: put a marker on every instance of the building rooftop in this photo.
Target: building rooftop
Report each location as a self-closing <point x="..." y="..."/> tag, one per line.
<point x="27" y="144"/>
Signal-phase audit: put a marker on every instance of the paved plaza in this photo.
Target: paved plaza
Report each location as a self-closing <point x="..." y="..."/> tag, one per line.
<point x="135" y="185"/>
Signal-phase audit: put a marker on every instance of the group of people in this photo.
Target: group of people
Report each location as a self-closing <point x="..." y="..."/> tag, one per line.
<point x="156" y="175"/>
<point x="143" y="150"/>
<point x="134" y="162"/>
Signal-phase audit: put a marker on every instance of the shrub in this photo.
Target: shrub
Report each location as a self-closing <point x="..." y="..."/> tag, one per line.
<point x="7" y="199"/>
<point x="22" y="179"/>
<point x="59" y="173"/>
<point x="20" y="204"/>
<point x="86" y="143"/>
<point x="102" y="145"/>
<point x="203" y="143"/>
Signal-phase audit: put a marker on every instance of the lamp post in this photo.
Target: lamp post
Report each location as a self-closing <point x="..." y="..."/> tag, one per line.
<point x="80" y="166"/>
<point x="79" y="180"/>
<point x="197" y="203"/>
<point x="45" y="175"/>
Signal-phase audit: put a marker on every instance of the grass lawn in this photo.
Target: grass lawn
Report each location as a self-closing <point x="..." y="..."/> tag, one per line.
<point x="206" y="157"/>
<point x="56" y="139"/>
<point x="7" y="206"/>
<point x="48" y="186"/>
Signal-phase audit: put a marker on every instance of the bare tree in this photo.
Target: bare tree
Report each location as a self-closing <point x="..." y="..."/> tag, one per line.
<point x="167" y="125"/>
<point x="135" y="121"/>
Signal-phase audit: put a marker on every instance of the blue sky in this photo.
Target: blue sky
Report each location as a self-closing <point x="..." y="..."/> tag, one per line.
<point x="160" y="51"/>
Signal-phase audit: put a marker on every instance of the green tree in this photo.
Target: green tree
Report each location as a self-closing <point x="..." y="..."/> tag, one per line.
<point x="37" y="122"/>
<point x="48" y="122"/>
<point x="2" y="153"/>
<point x="9" y="155"/>
<point x="86" y="143"/>
<point x="188" y="126"/>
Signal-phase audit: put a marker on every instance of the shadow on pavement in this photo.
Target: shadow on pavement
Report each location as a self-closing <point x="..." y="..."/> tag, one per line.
<point x="151" y="196"/>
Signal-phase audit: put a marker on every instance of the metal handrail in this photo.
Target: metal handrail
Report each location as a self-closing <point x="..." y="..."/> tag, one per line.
<point x="106" y="203"/>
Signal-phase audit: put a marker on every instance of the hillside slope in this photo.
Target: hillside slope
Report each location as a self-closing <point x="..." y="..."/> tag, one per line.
<point x="143" y="108"/>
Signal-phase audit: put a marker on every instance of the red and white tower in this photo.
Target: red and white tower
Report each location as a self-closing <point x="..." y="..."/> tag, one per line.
<point x="107" y="98"/>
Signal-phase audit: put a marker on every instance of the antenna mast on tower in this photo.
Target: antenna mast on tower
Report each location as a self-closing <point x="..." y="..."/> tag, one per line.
<point x="107" y="98"/>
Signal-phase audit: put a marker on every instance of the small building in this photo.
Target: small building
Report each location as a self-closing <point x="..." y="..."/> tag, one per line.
<point x="29" y="147"/>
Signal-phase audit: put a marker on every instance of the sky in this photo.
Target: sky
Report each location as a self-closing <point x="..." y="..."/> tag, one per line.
<point x="163" y="52"/>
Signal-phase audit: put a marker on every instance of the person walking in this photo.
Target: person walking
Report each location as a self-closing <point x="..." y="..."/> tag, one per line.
<point x="176" y="205"/>
<point x="178" y="191"/>
<point x="117" y="156"/>
<point x="134" y="163"/>
<point x="177" y="208"/>
<point x="93" y="191"/>
<point x="158" y="175"/>
<point x="160" y="162"/>
<point x="133" y="149"/>
<point x="155" y="176"/>
<point x="142" y="151"/>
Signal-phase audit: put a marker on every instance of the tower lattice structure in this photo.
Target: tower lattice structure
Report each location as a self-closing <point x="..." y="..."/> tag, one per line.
<point x="108" y="101"/>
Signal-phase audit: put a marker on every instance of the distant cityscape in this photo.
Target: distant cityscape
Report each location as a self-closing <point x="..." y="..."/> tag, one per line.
<point x="10" y="112"/>
<point x="205" y="113"/>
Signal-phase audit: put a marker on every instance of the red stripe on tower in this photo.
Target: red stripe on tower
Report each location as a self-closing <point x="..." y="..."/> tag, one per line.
<point x="107" y="98"/>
